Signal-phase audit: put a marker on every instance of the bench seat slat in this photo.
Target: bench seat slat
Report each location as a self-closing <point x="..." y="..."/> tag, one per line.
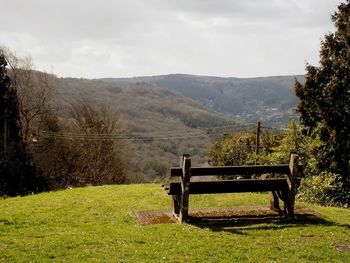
<point x="234" y="170"/>
<point x="231" y="186"/>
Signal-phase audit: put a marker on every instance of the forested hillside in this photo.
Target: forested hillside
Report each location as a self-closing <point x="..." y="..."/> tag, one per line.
<point x="166" y="116"/>
<point x="270" y="99"/>
<point x="158" y="125"/>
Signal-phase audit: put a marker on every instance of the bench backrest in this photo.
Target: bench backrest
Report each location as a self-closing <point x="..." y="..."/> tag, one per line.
<point x="233" y="170"/>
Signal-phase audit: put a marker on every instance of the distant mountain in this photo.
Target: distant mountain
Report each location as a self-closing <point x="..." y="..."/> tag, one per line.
<point x="269" y="99"/>
<point x="165" y="122"/>
<point x="175" y="113"/>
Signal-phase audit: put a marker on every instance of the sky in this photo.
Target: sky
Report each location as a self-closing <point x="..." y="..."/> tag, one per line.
<point x="126" y="38"/>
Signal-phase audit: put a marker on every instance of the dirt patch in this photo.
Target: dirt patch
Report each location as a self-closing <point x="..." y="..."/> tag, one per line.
<point x="343" y="248"/>
<point x="151" y="217"/>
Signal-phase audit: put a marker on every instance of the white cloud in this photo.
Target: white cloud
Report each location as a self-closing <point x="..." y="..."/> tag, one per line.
<point x="146" y="37"/>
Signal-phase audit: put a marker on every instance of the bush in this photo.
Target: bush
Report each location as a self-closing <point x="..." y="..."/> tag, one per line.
<point x="319" y="189"/>
<point x="232" y="149"/>
<point x="82" y="153"/>
<point x="17" y="175"/>
<point x="318" y="186"/>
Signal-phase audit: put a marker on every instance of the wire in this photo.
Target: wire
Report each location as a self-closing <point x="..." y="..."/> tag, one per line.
<point x="149" y="138"/>
<point x="153" y="136"/>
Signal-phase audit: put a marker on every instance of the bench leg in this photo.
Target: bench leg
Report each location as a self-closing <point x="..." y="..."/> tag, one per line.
<point x="185" y="189"/>
<point x="288" y="209"/>
<point x="176" y="204"/>
<point x="184" y="207"/>
<point x="274" y="203"/>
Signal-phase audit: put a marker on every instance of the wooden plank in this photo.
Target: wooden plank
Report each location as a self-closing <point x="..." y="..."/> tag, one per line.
<point x="274" y="202"/>
<point x="185" y="187"/>
<point x="234" y="170"/>
<point x="292" y="182"/>
<point x="232" y="186"/>
<point x="175" y="171"/>
<point x="176" y="204"/>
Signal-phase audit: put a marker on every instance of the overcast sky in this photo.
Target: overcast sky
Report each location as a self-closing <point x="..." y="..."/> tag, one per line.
<point x="115" y="38"/>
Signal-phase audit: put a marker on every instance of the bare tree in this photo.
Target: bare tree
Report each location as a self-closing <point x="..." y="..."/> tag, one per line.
<point x="35" y="92"/>
<point x="102" y="160"/>
<point x="85" y="150"/>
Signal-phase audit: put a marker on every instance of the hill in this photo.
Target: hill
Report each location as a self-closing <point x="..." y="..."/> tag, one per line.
<point x="163" y="124"/>
<point x="95" y="224"/>
<point x="270" y="99"/>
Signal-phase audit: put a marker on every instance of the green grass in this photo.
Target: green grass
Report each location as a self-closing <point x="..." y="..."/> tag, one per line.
<point x="95" y="224"/>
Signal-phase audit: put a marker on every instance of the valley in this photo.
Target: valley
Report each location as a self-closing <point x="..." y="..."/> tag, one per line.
<point x="163" y="117"/>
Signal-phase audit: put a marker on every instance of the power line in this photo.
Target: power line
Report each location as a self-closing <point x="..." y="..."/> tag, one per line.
<point x="161" y="133"/>
<point x="152" y="136"/>
<point x="148" y="138"/>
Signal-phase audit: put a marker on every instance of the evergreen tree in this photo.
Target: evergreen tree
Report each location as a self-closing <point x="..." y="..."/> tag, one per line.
<point x="9" y="115"/>
<point x="324" y="105"/>
<point x="16" y="175"/>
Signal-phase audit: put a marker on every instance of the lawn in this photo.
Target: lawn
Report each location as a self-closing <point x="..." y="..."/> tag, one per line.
<point x="95" y="224"/>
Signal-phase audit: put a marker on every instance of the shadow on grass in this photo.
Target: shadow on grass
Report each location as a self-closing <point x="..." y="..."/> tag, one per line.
<point x="239" y="224"/>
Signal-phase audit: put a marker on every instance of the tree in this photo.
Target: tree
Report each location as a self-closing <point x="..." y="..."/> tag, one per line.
<point x="101" y="161"/>
<point x="17" y="176"/>
<point x="232" y="149"/>
<point x="239" y="148"/>
<point x="35" y="91"/>
<point x="9" y="118"/>
<point x="82" y="151"/>
<point x="324" y="104"/>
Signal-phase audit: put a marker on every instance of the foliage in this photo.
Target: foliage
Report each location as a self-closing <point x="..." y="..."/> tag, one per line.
<point x="325" y="102"/>
<point x="101" y="161"/>
<point x="239" y="148"/>
<point x="81" y="154"/>
<point x="17" y="175"/>
<point x="315" y="186"/>
<point x="150" y="111"/>
<point x="319" y="189"/>
<point x="62" y="161"/>
<point x="34" y="91"/>
<point x="95" y="224"/>
<point x="9" y="118"/>
<point x="232" y="149"/>
<point x="288" y="141"/>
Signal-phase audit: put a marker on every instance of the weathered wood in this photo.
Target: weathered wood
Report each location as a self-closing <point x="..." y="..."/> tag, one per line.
<point x="292" y="182"/>
<point x="283" y="188"/>
<point x="274" y="202"/>
<point x="185" y="186"/>
<point x="182" y="160"/>
<point x="275" y="196"/>
<point x="234" y="170"/>
<point x="176" y="204"/>
<point x="231" y="186"/>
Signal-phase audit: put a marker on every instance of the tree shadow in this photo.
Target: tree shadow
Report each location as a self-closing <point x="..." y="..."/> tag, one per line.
<point x="240" y="223"/>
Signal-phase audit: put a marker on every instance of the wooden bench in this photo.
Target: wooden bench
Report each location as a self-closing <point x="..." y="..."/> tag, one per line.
<point x="283" y="188"/>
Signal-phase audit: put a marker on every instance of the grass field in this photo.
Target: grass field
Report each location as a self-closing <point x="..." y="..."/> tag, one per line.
<point x="95" y="224"/>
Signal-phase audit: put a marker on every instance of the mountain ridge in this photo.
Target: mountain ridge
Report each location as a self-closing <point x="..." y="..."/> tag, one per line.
<point x="169" y="123"/>
<point x="270" y="99"/>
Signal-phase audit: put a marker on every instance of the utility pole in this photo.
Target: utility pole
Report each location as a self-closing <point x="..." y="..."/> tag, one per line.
<point x="257" y="139"/>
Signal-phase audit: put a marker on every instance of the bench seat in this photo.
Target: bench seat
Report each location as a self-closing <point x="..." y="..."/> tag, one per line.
<point x="230" y="186"/>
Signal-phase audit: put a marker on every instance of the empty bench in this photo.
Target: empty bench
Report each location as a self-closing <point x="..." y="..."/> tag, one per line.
<point x="283" y="188"/>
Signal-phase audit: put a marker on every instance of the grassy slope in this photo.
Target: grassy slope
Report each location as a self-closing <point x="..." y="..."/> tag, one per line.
<point x="95" y="224"/>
